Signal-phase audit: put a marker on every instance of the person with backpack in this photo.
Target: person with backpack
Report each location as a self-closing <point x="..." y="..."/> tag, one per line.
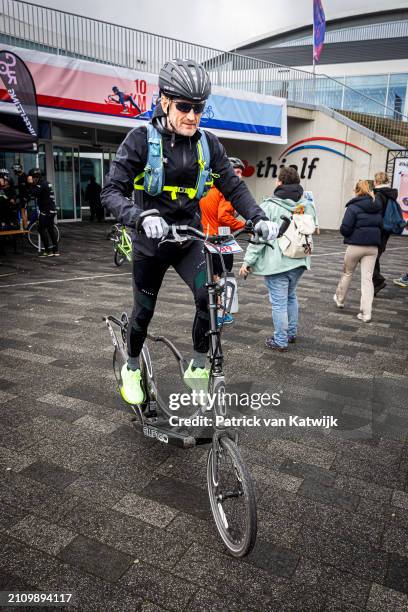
<point x="281" y="271"/>
<point x="172" y="163"/>
<point x="361" y="228"/>
<point x="383" y="192"/>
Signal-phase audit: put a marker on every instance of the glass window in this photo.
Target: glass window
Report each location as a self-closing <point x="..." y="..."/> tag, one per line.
<point x="69" y="131"/>
<point x="372" y="86"/>
<point x="45" y="130"/>
<point x="397" y="94"/>
<point x="111" y="137"/>
<point x="329" y="92"/>
<point x="108" y="156"/>
<point x="28" y="160"/>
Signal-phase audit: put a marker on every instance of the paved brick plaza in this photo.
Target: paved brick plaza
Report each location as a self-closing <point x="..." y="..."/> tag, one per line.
<point x="89" y="507"/>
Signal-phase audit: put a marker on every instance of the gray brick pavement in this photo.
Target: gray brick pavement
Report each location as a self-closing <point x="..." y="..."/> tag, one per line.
<point x="86" y="504"/>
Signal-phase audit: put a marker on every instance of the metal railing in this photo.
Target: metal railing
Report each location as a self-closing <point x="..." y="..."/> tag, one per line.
<point x="372" y="31"/>
<point x="31" y="26"/>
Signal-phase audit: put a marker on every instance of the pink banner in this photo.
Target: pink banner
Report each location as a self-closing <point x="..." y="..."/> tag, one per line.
<point x="77" y="85"/>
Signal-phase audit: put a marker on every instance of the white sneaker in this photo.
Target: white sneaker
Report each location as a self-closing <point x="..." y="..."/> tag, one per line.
<point x="363" y="318"/>
<point x="336" y="301"/>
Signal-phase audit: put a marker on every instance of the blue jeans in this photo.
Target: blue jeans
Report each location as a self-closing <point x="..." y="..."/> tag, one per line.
<point x="282" y="295"/>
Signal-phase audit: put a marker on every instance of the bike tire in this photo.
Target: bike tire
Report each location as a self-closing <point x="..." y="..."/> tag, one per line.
<point x="240" y="539"/>
<point x="33" y="235"/>
<point x="118" y="258"/>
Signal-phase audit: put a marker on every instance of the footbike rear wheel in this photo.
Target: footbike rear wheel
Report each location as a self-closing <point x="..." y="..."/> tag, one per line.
<point x="232" y="497"/>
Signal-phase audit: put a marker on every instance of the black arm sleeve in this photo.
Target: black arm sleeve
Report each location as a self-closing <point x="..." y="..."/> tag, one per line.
<point x="233" y="188"/>
<point x="130" y="161"/>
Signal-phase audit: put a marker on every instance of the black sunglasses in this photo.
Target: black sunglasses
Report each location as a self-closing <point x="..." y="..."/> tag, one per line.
<point x="185" y="107"/>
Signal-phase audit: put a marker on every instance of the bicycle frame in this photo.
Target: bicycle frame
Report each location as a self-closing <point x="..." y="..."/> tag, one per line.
<point x="125" y="244"/>
<point x="122" y="242"/>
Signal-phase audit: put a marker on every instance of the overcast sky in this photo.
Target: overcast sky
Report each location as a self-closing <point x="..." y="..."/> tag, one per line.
<point x="221" y="24"/>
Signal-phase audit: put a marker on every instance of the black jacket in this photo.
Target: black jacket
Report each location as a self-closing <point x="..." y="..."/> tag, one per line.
<point x="8" y="206"/>
<point x="8" y="193"/>
<point x="362" y="222"/>
<point x="43" y="195"/>
<point x="22" y="189"/>
<point x="181" y="170"/>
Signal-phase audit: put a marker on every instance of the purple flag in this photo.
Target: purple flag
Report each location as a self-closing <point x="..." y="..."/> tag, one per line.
<point x="319" y="29"/>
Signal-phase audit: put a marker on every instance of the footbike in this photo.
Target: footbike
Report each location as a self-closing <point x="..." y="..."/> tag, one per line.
<point x="229" y="483"/>
<point x="122" y="244"/>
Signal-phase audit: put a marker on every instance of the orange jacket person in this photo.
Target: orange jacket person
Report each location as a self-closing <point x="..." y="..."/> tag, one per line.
<point x="217" y="212"/>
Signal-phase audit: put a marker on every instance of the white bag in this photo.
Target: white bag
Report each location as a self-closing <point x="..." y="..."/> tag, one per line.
<point x="297" y="241"/>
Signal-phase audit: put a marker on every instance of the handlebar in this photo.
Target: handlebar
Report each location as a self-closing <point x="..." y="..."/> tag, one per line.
<point x="186" y="230"/>
<point x="178" y="231"/>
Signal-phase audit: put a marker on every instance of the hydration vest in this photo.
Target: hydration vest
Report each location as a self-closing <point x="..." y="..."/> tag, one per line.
<point x="153" y="175"/>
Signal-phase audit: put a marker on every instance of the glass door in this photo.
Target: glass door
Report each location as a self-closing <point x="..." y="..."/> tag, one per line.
<point x="90" y="173"/>
<point x="64" y="179"/>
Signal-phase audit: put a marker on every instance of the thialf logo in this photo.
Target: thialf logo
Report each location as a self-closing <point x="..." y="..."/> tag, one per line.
<point x="267" y="168"/>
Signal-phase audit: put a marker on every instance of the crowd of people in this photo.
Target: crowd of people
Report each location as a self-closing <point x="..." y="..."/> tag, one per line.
<point x="16" y="196"/>
<point x="363" y="231"/>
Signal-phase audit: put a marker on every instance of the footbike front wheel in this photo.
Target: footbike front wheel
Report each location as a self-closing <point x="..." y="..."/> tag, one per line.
<point x="232" y="497"/>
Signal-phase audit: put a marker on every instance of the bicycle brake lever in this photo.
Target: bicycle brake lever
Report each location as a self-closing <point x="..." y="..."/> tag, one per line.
<point x="176" y="237"/>
<point x="163" y="240"/>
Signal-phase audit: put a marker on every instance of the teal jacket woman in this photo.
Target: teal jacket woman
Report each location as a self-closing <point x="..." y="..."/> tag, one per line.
<point x="281" y="273"/>
<point x="260" y="258"/>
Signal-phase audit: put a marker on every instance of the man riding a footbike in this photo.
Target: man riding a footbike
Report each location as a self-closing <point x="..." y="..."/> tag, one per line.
<point x="171" y="164"/>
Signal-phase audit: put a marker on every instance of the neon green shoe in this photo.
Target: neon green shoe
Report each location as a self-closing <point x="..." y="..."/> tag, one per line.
<point x="196" y="379"/>
<point x="131" y="389"/>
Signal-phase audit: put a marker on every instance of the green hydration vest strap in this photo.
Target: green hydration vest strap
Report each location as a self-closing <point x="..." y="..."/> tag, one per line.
<point x="153" y="175"/>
